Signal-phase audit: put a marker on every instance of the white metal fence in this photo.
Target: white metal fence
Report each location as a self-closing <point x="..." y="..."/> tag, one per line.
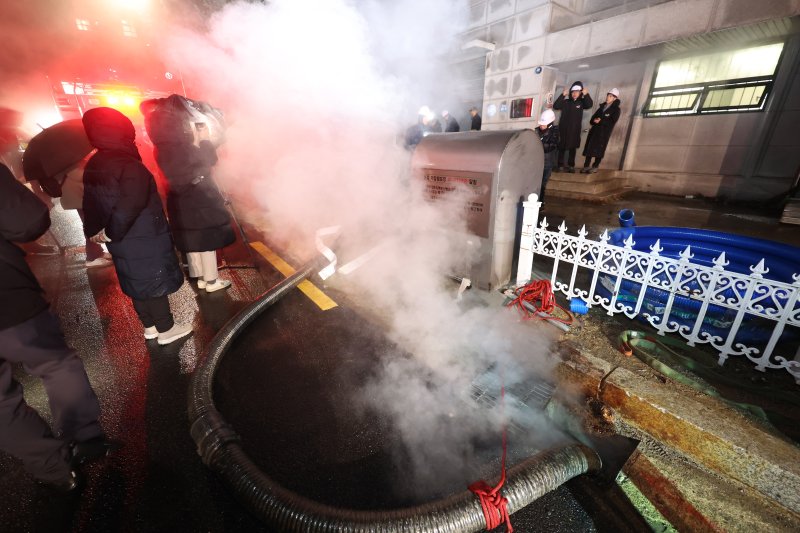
<point x="720" y="301"/>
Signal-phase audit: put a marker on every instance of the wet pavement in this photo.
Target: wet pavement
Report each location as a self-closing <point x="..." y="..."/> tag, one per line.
<point x="288" y="407"/>
<point x="155" y="482"/>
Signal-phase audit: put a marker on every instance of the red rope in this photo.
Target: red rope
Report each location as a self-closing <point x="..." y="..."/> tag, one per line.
<point x="494" y="504"/>
<point x="539" y="294"/>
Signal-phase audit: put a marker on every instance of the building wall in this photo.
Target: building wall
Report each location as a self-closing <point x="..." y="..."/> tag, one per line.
<point x="781" y="153"/>
<point x="737" y="155"/>
<point x="745" y="155"/>
<point x="518" y="29"/>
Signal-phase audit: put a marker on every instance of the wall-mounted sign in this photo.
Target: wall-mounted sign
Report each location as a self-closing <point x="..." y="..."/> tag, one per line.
<point x="550" y="98"/>
<point x="504" y="108"/>
<point x="472" y="188"/>
<point x="491" y="110"/>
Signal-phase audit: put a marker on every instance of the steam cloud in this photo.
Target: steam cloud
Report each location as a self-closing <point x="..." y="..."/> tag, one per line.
<point x="316" y="93"/>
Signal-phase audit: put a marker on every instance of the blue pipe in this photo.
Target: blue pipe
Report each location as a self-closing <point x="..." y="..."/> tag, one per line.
<point x="626" y="219"/>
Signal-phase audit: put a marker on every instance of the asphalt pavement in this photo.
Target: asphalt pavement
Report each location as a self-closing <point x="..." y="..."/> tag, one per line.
<point x="283" y="387"/>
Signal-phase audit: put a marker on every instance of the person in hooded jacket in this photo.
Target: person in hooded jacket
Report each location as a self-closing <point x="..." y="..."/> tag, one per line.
<point x="549" y="135"/>
<point x="72" y="199"/>
<point x="199" y="219"/>
<point x="602" y="125"/>
<point x="123" y="210"/>
<point x="571" y="103"/>
<point x="31" y="335"/>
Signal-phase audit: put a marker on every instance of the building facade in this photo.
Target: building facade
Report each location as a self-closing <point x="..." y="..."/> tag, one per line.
<point x="710" y="89"/>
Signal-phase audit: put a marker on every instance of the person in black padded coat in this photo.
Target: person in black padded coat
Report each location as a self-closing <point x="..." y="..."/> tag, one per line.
<point x="199" y="219"/>
<point x="30" y="334"/>
<point x="571" y="103"/>
<point x="123" y="209"/>
<point x="602" y="123"/>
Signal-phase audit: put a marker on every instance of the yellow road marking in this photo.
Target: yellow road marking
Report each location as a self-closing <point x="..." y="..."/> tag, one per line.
<point x="322" y="300"/>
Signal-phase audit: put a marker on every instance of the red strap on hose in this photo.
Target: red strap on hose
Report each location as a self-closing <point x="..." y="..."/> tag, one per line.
<point x="494" y="504"/>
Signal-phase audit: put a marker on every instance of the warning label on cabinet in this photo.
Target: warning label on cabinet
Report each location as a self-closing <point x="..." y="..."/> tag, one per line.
<point x="473" y="187"/>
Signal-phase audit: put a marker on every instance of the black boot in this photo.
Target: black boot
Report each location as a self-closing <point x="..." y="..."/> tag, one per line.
<point x="69" y="483"/>
<point x="91" y="450"/>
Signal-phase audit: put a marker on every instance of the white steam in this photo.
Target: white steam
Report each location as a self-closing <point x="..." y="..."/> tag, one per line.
<point x="316" y="93"/>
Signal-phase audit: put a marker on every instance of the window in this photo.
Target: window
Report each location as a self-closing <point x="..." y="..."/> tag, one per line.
<point x="521" y="108"/>
<point x="127" y="29"/>
<point x="725" y="82"/>
<point x="70" y="87"/>
<point x="82" y="24"/>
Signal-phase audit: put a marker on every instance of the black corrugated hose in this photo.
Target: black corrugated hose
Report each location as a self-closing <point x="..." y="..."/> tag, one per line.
<point x="219" y="447"/>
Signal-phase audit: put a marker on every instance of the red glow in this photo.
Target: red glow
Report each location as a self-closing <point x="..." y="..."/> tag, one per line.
<point x="122" y="100"/>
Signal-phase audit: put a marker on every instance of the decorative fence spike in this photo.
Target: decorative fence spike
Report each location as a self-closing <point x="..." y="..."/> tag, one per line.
<point x="629" y="242"/>
<point x="720" y="262"/>
<point x="759" y="270"/>
<point x="656" y="248"/>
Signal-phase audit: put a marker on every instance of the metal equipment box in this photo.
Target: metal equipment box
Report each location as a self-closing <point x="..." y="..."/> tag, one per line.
<point x="499" y="169"/>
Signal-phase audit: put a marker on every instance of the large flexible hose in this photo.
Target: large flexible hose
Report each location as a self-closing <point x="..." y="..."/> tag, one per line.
<point x="218" y="445"/>
<point x="741" y="252"/>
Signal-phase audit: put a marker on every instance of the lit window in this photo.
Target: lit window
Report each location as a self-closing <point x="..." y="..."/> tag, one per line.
<point x="673" y="102"/>
<point x="82" y="24"/>
<point x="521" y="108"/>
<point x="127" y="29"/>
<point x="71" y="87"/>
<point x="725" y="82"/>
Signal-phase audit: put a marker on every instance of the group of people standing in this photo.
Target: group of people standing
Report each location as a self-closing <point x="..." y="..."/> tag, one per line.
<point x="121" y="208"/>
<point x="428" y="122"/>
<point x="560" y="142"/>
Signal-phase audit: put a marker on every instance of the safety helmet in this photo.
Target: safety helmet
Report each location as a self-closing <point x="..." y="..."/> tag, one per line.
<point x="546" y="117"/>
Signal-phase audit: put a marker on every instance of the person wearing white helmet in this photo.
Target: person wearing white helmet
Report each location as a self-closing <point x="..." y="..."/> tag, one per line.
<point x="426" y="123"/>
<point x="430" y="124"/>
<point x="602" y="125"/>
<point x="450" y="123"/>
<point x="571" y="103"/>
<point x="549" y="135"/>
